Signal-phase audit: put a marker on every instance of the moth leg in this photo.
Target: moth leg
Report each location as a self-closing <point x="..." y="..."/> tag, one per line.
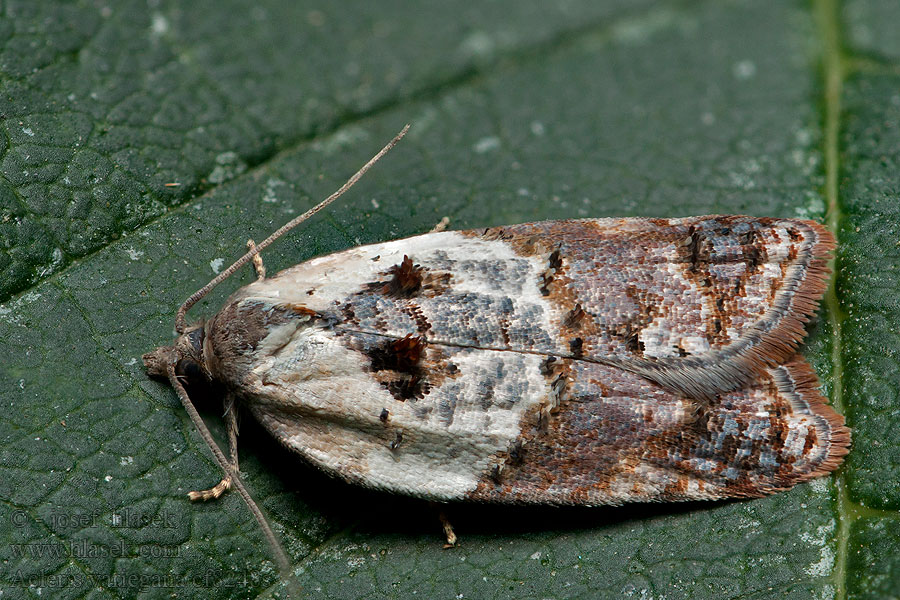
<point x="213" y="492"/>
<point x="232" y="427"/>
<point x="257" y="261"/>
<point x="449" y="534"/>
<point x="441" y="226"/>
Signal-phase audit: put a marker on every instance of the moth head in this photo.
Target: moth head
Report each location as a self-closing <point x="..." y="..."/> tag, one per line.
<point x="186" y="353"/>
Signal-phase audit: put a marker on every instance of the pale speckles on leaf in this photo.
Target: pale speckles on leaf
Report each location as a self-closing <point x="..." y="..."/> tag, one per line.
<point x="12" y="311"/>
<point x="804" y="136"/>
<point x="486" y="144"/>
<point x="820" y="486"/>
<point x="345" y="138"/>
<point x="744" y="70"/>
<point x="7" y="314"/>
<point x="270" y="195"/>
<point x="814" y="207"/>
<point x="478" y="45"/>
<point x="55" y="263"/>
<point x="825" y="565"/>
<point x="159" y="25"/>
<point x="745" y="179"/>
<point x="228" y="166"/>
<point x="216" y="265"/>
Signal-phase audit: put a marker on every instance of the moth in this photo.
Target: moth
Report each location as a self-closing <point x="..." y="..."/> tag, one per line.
<point x="576" y="362"/>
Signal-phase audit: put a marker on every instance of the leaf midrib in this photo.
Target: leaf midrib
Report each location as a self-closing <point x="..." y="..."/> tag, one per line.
<point x="827" y="14"/>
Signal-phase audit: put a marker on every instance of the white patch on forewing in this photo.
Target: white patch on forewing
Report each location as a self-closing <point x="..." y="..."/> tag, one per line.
<point x="316" y="395"/>
<point x="319" y="396"/>
<point x="335" y="277"/>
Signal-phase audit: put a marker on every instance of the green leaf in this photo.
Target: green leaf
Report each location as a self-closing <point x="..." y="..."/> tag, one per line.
<point x="520" y="111"/>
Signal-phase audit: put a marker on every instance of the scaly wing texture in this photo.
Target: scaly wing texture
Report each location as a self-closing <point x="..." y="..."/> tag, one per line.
<point x="509" y="427"/>
<point x="699" y="304"/>
<point x="617" y="439"/>
<point x="571" y="362"/>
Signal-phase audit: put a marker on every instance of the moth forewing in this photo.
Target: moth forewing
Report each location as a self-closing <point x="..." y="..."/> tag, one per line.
<point x="466" y="340"/>
<point x="585" y="362"/>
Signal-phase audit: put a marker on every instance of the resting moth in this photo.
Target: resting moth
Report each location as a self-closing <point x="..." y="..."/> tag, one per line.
<point x="577" y="362"/>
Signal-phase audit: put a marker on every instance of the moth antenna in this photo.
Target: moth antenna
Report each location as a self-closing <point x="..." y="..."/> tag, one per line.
<point x="180" y="320"/>
<point x="280" y="555"/>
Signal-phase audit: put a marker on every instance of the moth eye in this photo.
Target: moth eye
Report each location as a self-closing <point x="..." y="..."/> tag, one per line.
<point x="189" y="369"/>
<point x="195" y="337"/>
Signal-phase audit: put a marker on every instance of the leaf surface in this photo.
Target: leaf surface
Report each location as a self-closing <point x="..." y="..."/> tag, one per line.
<point x="520" y="111"/>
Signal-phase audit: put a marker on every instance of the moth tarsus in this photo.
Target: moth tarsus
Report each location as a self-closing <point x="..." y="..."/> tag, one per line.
<point x="257" y="260"/>
<point x="449" y="533"/>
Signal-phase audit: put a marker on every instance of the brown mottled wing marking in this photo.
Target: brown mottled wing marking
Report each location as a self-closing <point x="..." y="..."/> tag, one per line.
<point x="557" y="362"/>
<point x="407" y="280"/>
<point x="615" y="439"/>
<point x="699" y="305"/>
<point x="405" y="367"/>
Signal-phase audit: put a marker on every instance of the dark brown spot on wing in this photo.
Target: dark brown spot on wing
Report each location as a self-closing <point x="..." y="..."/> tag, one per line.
<point x="418" y="315"/>
<point x="408" y="367"/>
<point x="576" y="346"/>
<point x="695" y="253"/>
<point x="396" y="365"/>
<point x="574" y="317"/>
<point x="407" y="280"/>
<point x="631" y="335"/>
<point x="555" y="259"/>
<point x="547" y="366"/>
<point x="753" y="247"/>
<point x="407" y="386"/>
<point x="397" y="355"/>
<point x="554" y="266"/>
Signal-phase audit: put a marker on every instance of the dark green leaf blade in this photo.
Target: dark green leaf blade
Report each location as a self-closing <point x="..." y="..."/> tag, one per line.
<point x="519" y="114"/>
<point x="115" y="114"/>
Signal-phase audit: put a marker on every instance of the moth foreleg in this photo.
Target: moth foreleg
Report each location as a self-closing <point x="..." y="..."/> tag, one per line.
<point x="441" y="226"/>
<point x="258" y="265"/>
<point x="449" y="534"/>
<point x="232" y="427"/>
